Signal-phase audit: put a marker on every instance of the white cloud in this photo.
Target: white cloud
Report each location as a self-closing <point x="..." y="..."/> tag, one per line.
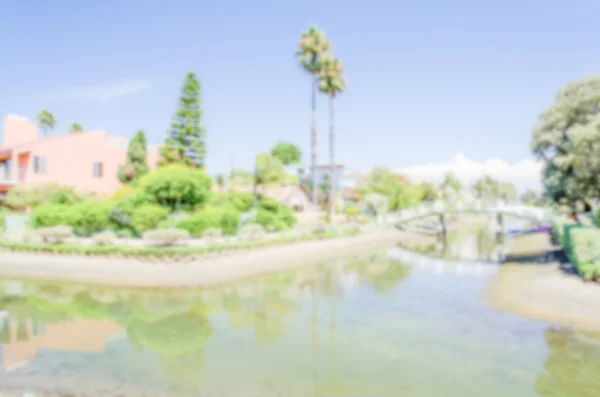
<point x="101" y="92"/>
<point x="524" y="174"/>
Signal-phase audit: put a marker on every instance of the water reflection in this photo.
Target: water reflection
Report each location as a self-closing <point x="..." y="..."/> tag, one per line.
<point x="363" y="326"/>
<point x="175" y="326"/>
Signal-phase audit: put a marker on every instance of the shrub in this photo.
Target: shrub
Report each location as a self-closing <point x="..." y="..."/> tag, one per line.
<point x="50" y="215"/>
<point x="177" y="185"/>
<point x="55" y="234"/>
<point x="243" y="202"/>
<point x="148" y="216"/>
<point x="585" y="251"/>
<point x="105" y="238"/>
<point x="165" y="237"/>
<point x="252" y="232"/>
<point x="352" y="211"/>
<point x="88" y="216"/>
<point x="225" y="218"/>
<point x="212" y="234"/>
<point x="558" y="228"/>
<point x="274" y="215"/>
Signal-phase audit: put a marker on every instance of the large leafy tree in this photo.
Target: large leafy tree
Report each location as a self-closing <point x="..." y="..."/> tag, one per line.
<point x="312" y="46"/>
<point x="137" y="164"/>
<point x="486" y="188"/>
<point x="287" y="153"/>
<point x="332" y="83"/>
<point x="185" y="143"/>
<point x="563" y="137"/>
<point x="46" y="121"/>
<point x="75" y="128"/>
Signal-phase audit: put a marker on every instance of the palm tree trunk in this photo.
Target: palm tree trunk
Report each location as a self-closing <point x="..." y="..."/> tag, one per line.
<point x="332" y="183"/>
<point x="313" y="142"/>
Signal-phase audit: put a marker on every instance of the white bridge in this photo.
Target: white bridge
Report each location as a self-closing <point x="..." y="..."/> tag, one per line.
<point x="440" y="266"/>
<point x="438" y="207"/>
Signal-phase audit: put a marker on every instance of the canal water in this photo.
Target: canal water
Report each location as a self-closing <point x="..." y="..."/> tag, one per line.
<point x="367" y="326"/>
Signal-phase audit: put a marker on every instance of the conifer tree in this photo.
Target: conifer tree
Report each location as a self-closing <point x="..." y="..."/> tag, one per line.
<point x="137" y="164"/>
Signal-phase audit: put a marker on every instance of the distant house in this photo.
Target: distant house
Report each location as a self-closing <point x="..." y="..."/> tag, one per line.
<point x="295" y="196"/>
<point x="86" y="160"/>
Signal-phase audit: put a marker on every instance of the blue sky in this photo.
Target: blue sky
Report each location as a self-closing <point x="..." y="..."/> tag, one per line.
<point x="426" y="80"/>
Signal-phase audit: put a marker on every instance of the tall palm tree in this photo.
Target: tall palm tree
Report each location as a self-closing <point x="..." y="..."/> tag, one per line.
<point x="46" y="120"/>
<point x="75" y="128"/>
<point x="312" y="45"/>
<point x="332" y="83"/>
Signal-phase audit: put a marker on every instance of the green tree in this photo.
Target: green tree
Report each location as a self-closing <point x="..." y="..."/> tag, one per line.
<point x="312" y="45"/>
<point x="507" y="191"/>
<point x="176" y="186"/>
<point x="185" y="143"/>
<point x="75" y="128"/>
<point x="269" y="169"/>
<point x="529" y="197"/>
<point x="332" y="83"/>
<point x="429" y="191"/>
<point x="287" y="153"/>
<point x="384" y="181"/>
<point x="486" y="188"/>
<point x="46" y="121"/>
<point x="220" y="181"/>
<point x="452" y="182"/>
<point x="554" y="141"/>
<point x="136" y="165"/>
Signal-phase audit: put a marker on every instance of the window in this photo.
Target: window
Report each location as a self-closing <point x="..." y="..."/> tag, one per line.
<point x="40" y="165"/>
<point x="98" y="170"/>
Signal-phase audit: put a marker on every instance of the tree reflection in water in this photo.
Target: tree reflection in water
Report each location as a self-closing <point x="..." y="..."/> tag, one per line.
<point x="175" y="325"/>
<point x="572" y="367"/>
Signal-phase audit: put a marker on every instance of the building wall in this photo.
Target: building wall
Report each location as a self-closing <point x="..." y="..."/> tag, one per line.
<point x="18" y="130"/>
<point x="67" y="159"/>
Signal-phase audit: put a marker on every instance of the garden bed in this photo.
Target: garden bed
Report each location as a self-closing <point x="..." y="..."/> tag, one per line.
<point x="179" y="253"/>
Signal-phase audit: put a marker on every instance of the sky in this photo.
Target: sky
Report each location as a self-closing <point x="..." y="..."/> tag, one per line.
<point x="436" y="84"/>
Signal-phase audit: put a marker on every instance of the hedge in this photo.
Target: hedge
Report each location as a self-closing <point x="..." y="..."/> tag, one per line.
<point x="159" y="252"/>
<point x="582" y="245"/>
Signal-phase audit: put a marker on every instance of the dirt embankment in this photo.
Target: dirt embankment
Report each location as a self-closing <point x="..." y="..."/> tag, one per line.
<point x="538" y="282"/>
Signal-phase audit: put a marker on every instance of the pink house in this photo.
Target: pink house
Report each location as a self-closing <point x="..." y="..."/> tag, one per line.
<point x="87" y="161"/>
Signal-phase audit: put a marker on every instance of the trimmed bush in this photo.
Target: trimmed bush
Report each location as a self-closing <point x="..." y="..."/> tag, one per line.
<point x="352" y="211"/>
<point x="584" y="251"/>
<point x="165" y="237"/>
<point x="243" y="202"/>
<point x="47" y="215"/>
<point x="175" y="186"/>
<point x="105" y="238"/>
<point x="88" y="217"/>
<point x="55" y="234"/>
<point x="225" y="218"/>
<point x="558" y="228"/>
<point x="148" y="216"/>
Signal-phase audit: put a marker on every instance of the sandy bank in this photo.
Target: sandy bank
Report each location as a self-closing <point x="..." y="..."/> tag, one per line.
<point x="232" y="266"/>
<point x="544" y="290"/>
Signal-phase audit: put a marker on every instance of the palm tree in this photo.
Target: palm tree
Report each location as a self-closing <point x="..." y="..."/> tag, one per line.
<point x="313" y="44"/>
<point x="75" y="128"/>
<point x="46" y="120"/>
<point x="332" y="83"/>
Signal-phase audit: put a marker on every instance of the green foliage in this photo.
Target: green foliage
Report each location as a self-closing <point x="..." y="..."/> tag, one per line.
<point x="429" y="191"/>
<point x="287" y="153"/>
<point x="248" y="233"/>
<point x="46" y="120"/>
<point x="243" y="202"/>
<point x="584" y="251"/>
<point x="50" y="215"/>
<point x="225" y="218"/>
<point x="273" y="215"/>
<point x="88" y="217"/>
<point x="399" y="193"/>
<point x="567" y="139"/>
<point x="148" y="216"/>
<point x="352" y="211"/>
<point x="136" y="165"/>
<point x="51" y="193"/>
<point x="558" y="228"/>
<point x="530" y="197"/>
<point x="269" y="169"/>
<point x="176" y="186"/>
<point x="312" y="45"/>
<point x="75" y="128"/>
<point x="331" y="80"/>
<point x="186" y="139"/>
